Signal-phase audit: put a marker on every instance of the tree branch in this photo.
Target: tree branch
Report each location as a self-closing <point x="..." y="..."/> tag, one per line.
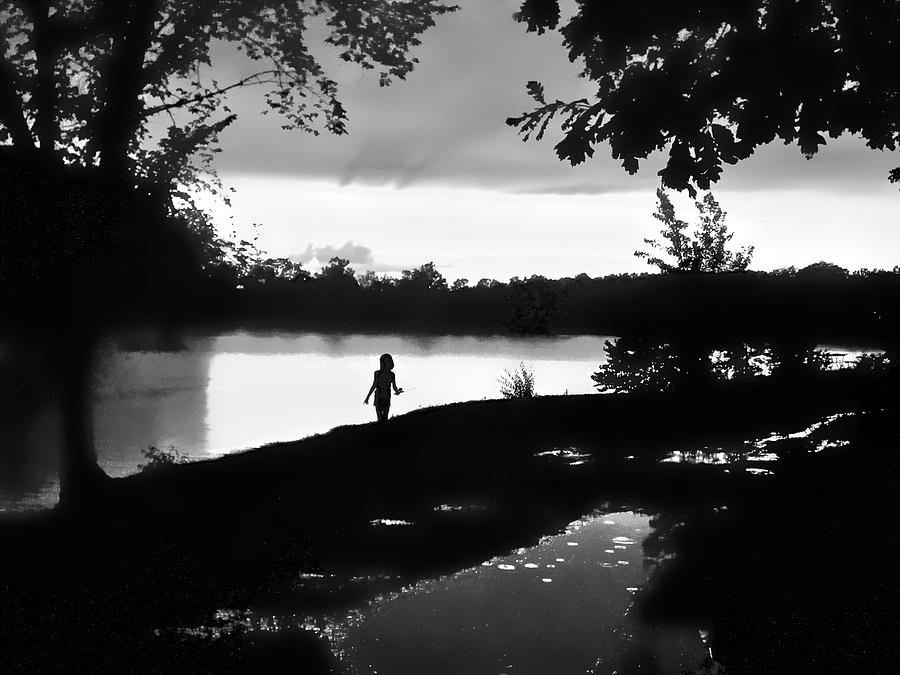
<point x="121" y="113"/>
<point x="197" y="98"/>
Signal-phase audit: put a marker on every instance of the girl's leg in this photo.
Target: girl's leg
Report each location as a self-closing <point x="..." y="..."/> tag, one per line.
<point x="381" y="409"/>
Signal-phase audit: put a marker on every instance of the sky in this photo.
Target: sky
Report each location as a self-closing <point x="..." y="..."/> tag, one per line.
<point x="430" y="172"/>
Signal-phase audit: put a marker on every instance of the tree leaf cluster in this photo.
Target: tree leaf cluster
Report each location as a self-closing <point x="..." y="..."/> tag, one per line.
<point x="86" y="81"/>
<point x="709" y="82"/>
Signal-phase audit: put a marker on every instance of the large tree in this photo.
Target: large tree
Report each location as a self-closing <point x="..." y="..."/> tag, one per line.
<point x="710" y="81"/>
<point x="84" y="81"/>
<point x="109" y="113"/>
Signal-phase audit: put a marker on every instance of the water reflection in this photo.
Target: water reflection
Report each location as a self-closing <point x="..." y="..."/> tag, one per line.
<point x="151" y="398"/>
<point x="759" y="449"/>
<point x="243" y="390"/>
<point x="572" y="591"/>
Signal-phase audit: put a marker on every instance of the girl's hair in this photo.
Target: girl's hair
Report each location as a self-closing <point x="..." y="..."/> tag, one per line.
<point x="387" y="363"/>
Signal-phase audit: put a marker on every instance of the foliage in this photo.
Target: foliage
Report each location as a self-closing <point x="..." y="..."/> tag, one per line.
<point x="337" y="271"/>
<point x="459" y="285"/>
<point x="371" y="281"/>
<point x="823" y="270"/>
<point x="793" y="358"/>
<point x="127" y="89"/>
<point x="534" y="303"/>
<point x="488" y="283"/>
<point x="158" y="457"/>
<point x="278" y="269"/>
<point x="87" y="79"/>
<point x="637" y="365"/>
<point x="872" y="363"/>
<point x="424" y="278"/>
<point x="704" y="250"/>
<point x="518" y="383"/>
<point x="740" y="362"/>
<point x="711" y="81"/>
<point x="816" y="359"/>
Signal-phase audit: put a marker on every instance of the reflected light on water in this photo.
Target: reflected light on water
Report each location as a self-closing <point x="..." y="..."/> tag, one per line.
<point x="243" y="390"/>
<point x="503" y="612"/>
<point x="757" y="450"/>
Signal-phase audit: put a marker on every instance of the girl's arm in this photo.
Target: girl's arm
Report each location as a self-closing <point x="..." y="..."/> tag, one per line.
<point x="372" y="388"/>
<point x="394" y="384"/>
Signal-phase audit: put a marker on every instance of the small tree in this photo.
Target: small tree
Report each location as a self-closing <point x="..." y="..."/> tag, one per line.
<point x="702" y="251"/>
<point x="518" y="383"/>
<point x="636" y="365"/>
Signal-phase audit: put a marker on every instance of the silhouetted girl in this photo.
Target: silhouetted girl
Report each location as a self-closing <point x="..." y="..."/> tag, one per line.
<point x="382" y="384"/>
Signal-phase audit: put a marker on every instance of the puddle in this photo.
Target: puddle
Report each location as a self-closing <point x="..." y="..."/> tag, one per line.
<point x="501" y="615"/>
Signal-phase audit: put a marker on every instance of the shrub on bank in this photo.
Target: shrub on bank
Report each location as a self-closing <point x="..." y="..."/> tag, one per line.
<point x="518" y="383"/>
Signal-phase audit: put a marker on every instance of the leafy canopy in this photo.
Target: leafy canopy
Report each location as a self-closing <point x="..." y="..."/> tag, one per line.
<point x="84" y="81"/>
<point x="704" y="250"/>
<point x="712" y="80"/>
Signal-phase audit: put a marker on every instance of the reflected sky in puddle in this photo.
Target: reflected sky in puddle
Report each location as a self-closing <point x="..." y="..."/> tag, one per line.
<point x="444" y="508"/>
<point x="757" y="450"/>
<point x="558" y="607"/>
<point x="570" y="456"/>
<point x="389" y="522"/>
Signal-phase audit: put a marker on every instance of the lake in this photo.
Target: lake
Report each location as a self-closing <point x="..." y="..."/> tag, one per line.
<point x="223" y="393"/>
<point x="209" y="395"/>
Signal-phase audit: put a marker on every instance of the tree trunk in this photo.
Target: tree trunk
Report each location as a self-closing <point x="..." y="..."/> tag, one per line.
<point x="120" y="116"/>
<point x="82" y="481"/>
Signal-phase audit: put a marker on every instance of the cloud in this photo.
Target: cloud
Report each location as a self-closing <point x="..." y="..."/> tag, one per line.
<point x="357" y="254"/>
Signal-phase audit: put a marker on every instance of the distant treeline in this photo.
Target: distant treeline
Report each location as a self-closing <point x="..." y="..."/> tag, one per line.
<point x="819" y="302"/>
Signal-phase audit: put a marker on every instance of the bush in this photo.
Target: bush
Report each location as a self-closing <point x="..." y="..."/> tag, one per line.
<point x="157" y="458"/>
<point x="518" y="383"/>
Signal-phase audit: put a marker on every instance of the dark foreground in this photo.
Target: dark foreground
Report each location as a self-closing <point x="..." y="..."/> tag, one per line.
<point x="108" y="588"/>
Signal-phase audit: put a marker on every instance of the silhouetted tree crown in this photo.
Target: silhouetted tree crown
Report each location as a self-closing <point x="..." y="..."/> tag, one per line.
<point x="109" y="117"/>
<point x="712" y="80"/>
<point x="338" y="271"/>
<point x="702" y="251"/>
<point x="424" y="277"/>
<point x="85" y="81"/>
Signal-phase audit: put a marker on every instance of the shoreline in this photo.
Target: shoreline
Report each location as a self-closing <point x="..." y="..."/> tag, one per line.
<point x="169" y="547"/>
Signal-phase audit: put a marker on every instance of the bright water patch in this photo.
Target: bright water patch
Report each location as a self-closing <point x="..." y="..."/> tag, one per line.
<point x="215" y="394"/>
<point x="552" y="608"/>
<point x="757" y="450"/>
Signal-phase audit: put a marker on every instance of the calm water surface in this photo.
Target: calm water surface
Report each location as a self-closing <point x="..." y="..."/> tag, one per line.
<point x="559" y="607"/>
<point x="224" y="393"/>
